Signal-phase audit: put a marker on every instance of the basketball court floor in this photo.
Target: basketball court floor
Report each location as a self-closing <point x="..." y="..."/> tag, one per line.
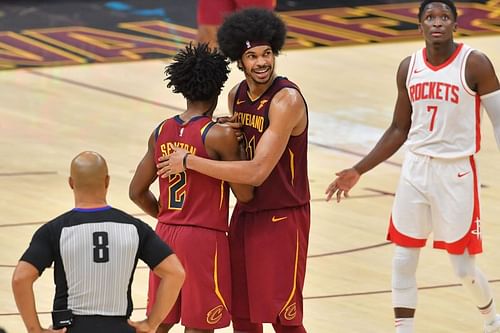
<point x="48" y="115"/>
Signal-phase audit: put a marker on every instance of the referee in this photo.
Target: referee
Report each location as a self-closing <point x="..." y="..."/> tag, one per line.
<point x="95" y="249"/>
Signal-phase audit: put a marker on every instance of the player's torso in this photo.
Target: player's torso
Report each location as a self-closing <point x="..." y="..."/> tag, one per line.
<point x="287" y="185"/>
<point x="445" y="111"/>
<point x="190" y="198"/>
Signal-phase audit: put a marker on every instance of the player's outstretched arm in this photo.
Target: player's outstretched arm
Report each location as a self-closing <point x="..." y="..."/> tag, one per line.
<point x="389" y="143"/>
<point x="23" y="279"/>
<point x="346" y="179"/>
<point x="172" y="277"/>
<point x="145" y="175"/>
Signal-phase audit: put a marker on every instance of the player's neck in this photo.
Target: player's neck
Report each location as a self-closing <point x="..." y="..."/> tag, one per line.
<point x="196" y="109"/>
<point x="255" y="89"/>
<point x="439" y="53"/>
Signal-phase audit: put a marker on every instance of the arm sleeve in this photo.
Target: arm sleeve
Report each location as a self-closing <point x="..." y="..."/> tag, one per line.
<point x="40" y="251"/>
<point x="152" y="249"/>
<point x="491" y="103"/>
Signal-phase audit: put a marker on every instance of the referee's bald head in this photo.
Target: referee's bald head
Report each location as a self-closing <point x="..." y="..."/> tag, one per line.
<point x="89" y="171"/>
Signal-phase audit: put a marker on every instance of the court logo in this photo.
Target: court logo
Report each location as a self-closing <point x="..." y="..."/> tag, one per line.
<point x="214" y="315"/>
<point x="290" y="312"/>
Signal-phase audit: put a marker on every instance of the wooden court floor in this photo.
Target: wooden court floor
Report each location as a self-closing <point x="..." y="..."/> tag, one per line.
<point x="49" y="115"/>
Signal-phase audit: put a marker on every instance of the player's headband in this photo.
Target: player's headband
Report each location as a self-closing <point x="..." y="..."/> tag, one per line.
<point x="251" y="44"/>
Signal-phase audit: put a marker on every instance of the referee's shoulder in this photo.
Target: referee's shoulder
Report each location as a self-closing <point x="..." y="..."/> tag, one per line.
<point x="126" y="217"/>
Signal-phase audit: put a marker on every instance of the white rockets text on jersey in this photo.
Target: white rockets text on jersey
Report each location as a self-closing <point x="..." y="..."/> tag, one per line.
<point x="446" y="112"/>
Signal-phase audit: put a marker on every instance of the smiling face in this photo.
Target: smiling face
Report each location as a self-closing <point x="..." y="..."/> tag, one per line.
<point x="258" y="64"/>
<point x="437" y="23"/>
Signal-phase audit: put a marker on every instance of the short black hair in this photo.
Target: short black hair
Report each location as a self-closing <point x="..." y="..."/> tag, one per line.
<point x="197" y="72"/>
<point x="253" y="25"/>
<point x="448" y="3"/>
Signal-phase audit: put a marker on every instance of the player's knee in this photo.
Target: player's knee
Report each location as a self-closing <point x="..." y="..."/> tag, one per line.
<point x="464" y="268"/>
<point x="404" y="267"/>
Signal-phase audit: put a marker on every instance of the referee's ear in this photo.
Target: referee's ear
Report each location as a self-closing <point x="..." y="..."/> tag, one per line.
<point x="71" y="184"/>
<point x="106" y="182"/>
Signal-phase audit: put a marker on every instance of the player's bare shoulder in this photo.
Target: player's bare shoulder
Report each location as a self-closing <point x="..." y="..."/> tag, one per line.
<point x="231" y="96"/>
<point x="404" y="67"/>
<point x="222" y="131"/>
<point x="221" y="137"/>
<point x="479" y="72"/>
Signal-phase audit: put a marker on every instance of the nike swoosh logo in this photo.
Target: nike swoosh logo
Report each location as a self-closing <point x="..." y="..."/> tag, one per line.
<point x="277" y="219"/>
<point x="416" y="71"/>
<point x="461" y="174"/>
<point x="238" y="102"/>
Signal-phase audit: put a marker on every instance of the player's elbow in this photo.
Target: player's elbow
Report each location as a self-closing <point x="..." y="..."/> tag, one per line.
<point x="245" y="195"/>
<point x="257" y="176"/>
<point x="134" y="194"/>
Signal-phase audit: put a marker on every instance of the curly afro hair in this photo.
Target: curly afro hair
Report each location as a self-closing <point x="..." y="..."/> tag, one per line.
<point x="197" y="72"/>
<point x="254" y="25"/>
<point x="448" y="3"/>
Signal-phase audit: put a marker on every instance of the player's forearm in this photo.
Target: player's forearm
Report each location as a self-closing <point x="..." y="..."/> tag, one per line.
<point x="240" y="172"/>
<point x="147" y="202"/>
<point x="389" y="144"/>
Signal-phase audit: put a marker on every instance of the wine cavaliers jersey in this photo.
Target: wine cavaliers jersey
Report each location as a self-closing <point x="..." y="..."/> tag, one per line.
<point x="95" y="252"/>
<point x="445" y="121"/>
<point x="189" y="197"/>
<point x="287" y="185"/>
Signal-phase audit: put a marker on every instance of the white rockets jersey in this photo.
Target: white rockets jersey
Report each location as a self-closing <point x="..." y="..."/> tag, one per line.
<point x="445" y="121"/>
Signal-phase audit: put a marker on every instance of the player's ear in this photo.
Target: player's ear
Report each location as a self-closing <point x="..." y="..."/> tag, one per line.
<point x="420" y="28"/>
<point x="71" y="184"/>
<point x="239" y="64"/>
<point x="106" y="182"/>
<point x="455" y="26"/>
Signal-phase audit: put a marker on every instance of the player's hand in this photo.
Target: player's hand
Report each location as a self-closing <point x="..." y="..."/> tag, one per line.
<point x="233" y="123"/>
<point x="345" y="180"/>
<point x="142" y="326"/>
<point x="171" y="164"/>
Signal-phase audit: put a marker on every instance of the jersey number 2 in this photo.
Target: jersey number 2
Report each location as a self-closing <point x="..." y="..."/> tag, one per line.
<point x="176" y="190"/>
<point x="101" y="249"/>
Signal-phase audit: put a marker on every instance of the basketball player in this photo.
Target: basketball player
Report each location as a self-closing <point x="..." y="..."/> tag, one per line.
<point x="211" y="14"/>
<point x="95" y="249"/>
<point x="269" y="235"/>
<point x="437" y="114"/>
<point x="193" y="209"/>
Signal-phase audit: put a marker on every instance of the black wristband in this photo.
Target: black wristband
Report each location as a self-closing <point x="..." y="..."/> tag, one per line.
<point x="184" y="161"/>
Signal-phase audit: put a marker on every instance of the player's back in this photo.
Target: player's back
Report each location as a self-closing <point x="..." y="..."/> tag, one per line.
<point x="189" y="197"/>
<point x="288" y="184"/>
